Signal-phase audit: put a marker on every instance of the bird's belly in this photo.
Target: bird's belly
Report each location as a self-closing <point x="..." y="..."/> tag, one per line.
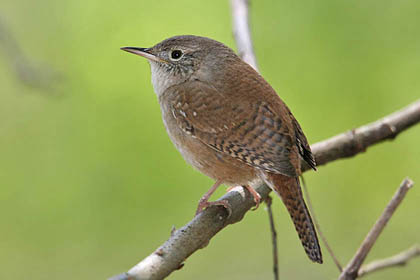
<point x="215" y="164"/>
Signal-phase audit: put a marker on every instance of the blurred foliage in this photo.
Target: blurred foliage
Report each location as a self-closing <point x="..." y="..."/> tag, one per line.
<point x="90" y="182"/>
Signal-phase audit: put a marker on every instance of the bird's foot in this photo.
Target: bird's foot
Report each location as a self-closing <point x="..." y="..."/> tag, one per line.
<point x="257" y="196"/>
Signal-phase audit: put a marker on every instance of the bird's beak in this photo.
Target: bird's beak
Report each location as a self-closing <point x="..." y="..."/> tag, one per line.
<point x="142" y="52"/>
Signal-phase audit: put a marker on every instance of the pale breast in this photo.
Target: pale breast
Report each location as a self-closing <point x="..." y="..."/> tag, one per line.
<point x="160" y="78"/>
<point x="208" y="161"/>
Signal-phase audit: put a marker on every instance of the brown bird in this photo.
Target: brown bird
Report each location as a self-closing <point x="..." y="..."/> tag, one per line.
<point x="230" y="124"/>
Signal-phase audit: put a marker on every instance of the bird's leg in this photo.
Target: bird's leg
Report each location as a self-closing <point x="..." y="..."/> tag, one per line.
<point x="203" y="203"/>
<point x="257" y="196"/>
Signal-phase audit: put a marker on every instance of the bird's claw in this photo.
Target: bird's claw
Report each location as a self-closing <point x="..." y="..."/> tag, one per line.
<point x="255" y="195"/>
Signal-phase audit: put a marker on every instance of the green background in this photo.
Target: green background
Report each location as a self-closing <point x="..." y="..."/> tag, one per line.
<point x="91" y="184"/>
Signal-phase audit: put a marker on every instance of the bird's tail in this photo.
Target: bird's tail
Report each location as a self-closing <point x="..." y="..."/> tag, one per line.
<point x="288" y="188"/>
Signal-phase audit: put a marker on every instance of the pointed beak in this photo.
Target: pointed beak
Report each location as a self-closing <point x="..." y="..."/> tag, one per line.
<point x="142" y="52"/>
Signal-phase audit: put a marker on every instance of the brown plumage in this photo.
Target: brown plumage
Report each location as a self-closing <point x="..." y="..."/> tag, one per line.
<point x="230" y="124"/>
<point x="288" y="188"/>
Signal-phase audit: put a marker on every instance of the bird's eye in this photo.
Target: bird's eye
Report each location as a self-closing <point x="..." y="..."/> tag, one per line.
<point x="176" y="55"/>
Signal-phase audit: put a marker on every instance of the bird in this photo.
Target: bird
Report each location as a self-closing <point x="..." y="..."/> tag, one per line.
<point x="230" y="124"/>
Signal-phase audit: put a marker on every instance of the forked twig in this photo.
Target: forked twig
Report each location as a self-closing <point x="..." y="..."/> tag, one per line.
<point x="400" y="259"/>
<point x="351" y="270"/>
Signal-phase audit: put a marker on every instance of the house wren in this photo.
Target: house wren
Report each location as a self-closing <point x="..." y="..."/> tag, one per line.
<point x="230" y="124"/>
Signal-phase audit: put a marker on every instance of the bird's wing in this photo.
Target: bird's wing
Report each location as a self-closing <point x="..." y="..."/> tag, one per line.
<point x="302" y="143"/>
<point x="251" y="131"/>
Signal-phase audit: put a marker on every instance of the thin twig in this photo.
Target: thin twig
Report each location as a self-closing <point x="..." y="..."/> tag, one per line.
<point x="241" y="31"/>
<point x="400" y="259"/>
<point x="351" y="270"/>
<point x="268" y="201"/>
<point x="318" y="227"/>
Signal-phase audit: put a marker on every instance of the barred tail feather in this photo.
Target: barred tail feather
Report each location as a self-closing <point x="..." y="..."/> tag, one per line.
<point x="288" y="188"/>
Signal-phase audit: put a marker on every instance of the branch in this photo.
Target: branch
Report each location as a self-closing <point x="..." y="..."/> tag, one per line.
<point x="268" y="201"/>
<point x="241" y="32"/>
<point x="193" y="236"/>
<point x="358" y="140"/>
<point x="396" y="260"/>
<point x="197" y="233"/>
<point x="350" y="272"/>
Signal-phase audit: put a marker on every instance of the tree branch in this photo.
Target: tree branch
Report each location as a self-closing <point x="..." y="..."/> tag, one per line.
<point x="350" y="272"/>
<point x="241" y="31"/>
<point x="193" y="236"/>
<point x="358" y="140"/>
<point x="197" y="233"/>
<point x="400" y="259"/>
